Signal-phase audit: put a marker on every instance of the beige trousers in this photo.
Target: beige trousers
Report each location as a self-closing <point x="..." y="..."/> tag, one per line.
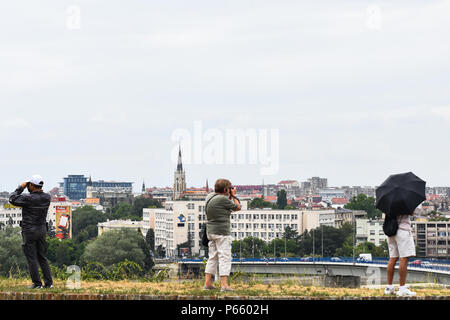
<point x="219" y="254"/>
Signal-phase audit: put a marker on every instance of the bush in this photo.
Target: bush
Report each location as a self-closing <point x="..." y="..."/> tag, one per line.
<point x="59" y="272"/>
<point x="12" y="259"/>
<point x="94" y="271"/>
<point x="125" y="270"/>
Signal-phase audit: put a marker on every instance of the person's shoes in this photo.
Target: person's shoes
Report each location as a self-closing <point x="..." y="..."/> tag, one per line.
<point x="224" y="289"/>
<point x="389" y="291"/>
<point x="208" y="288"/>
<point x="48" y="286"/>
<point x="405" y="293"/>
<point x="34" y="286"/>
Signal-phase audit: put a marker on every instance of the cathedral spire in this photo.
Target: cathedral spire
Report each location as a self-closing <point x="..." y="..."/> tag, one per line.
<point x="143" y="186"/>
<point x="179" y="185"/>
<point x="180" y="164"/>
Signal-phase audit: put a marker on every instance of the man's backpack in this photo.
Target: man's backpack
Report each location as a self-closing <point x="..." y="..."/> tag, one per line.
<point x="390" y="226"/>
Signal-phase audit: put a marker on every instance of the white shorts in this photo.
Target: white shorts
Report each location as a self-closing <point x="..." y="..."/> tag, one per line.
<point x="219" y="254"/>
<point x="402" y="244"/>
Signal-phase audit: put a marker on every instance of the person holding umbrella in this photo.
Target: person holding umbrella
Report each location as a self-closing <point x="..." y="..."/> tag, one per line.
<point x="397" y="198"/>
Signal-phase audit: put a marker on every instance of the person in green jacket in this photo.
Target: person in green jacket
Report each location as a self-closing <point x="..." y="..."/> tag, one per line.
<point x="219" y="206"/>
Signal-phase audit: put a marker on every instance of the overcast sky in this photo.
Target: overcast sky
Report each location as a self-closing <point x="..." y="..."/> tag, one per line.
<point x="356" y="89"/>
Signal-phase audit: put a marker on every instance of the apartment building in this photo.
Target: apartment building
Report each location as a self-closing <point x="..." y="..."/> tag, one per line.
<point x="370" y="230"/>
<point x="10" y="214"/>
<point x="269" y="224"/>
<point x="432" y="238"/>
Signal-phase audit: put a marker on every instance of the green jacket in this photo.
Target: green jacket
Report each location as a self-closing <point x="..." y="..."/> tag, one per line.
<point x="218" y="213"/>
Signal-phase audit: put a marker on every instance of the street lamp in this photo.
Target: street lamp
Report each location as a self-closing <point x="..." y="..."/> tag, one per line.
<point x="322" y="240"/>
<point x="353" y="237"/>
<point x="253" y="247"/>
<point x="314" y="250"/>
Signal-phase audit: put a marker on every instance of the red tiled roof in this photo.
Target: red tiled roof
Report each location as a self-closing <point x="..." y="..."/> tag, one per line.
<point x="287" y="182"/>
<point x="339" y="200"/>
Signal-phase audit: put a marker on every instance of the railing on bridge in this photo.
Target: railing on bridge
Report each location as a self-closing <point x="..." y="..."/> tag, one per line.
<point x="432" y="265"/>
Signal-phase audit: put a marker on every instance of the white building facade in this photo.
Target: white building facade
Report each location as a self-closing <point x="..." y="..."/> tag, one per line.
<point x="370" y="230"/>
<point x="10" y="214"/>
<point x="181" y="221"/>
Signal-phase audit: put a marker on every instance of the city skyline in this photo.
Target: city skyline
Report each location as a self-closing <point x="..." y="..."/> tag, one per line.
<point x="137" y="185"/>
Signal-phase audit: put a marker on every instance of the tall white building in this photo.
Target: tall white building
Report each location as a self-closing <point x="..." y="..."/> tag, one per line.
<point x="178" y="219"/>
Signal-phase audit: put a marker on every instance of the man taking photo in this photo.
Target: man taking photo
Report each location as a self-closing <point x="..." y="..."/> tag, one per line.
<point x="34" y="228"/>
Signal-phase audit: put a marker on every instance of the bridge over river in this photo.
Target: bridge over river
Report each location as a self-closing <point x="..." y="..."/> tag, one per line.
<point x="335" y="271"/>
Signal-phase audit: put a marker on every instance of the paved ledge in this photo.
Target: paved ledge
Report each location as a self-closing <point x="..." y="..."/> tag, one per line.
<point x="68" y="296"/>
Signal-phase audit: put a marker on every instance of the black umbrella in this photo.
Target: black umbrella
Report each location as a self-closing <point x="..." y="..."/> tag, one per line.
<point x="400" y="194"/>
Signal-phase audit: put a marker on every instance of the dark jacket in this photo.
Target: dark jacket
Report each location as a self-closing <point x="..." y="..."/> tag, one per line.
<point x="34" y="207"/>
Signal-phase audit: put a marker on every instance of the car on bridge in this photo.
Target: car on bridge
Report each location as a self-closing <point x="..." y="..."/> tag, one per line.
<point x="336" y="259"/>
<point x="306" y="259"/>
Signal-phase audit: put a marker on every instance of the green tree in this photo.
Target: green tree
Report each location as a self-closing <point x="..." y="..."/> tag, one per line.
<point x="123" y="211"/>
<point x="86" y="218"/>
<point x="369" y="247"/>
<point x="334" y="239"/>
<point x="258" y="203"/>
<point x="279" y="247"/>
<point x="290" y="234"/>
<point x="346" y="250"/>
<point x="62" y="252"/>
<point x="150" y="238"/>
<point x="12" y="259"/>
<point x="141" y="202"/>
<point x="117" y="245"/>
<point x="248" y="247"/>
<point x="281" y="199"/>
<point x="363" y="202"/>
<point x="160" y="251"/>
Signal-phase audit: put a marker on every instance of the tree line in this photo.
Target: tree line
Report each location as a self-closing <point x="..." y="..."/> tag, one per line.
<point x="114" y="254"/>
<point x="323" y="241"/>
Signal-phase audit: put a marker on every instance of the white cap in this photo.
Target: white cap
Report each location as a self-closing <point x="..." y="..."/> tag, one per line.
<point x="36" y="180"/>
